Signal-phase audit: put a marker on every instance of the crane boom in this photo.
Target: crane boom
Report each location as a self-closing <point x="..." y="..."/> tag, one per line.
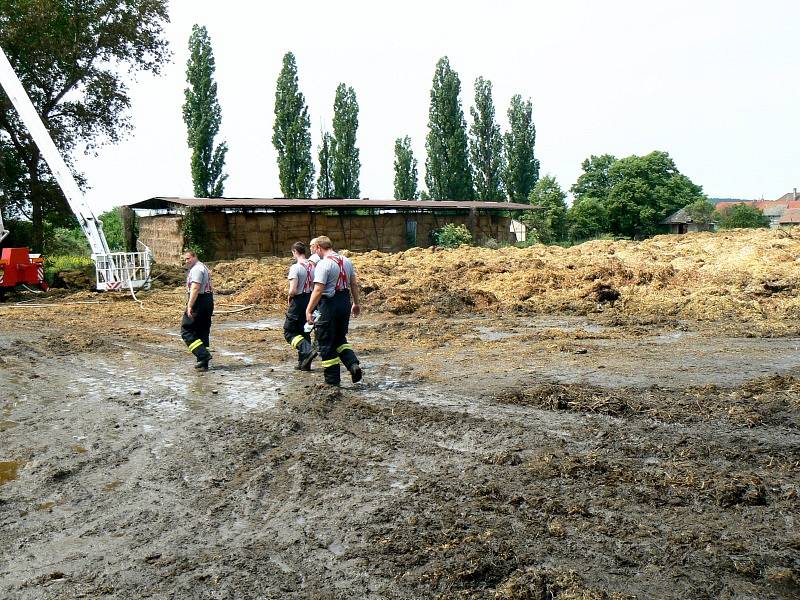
<point x="114" y="270"/>
<point x="92" y="227"/>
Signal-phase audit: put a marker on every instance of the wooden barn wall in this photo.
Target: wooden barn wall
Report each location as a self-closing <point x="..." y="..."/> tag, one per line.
<point x="238" y="235"/>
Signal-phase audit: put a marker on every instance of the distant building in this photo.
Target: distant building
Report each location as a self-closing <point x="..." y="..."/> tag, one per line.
<point x="681" y="222"/>
<point x="780" y="212"/>
<point x="790" y="217"/>
<point x="256" y="227"/>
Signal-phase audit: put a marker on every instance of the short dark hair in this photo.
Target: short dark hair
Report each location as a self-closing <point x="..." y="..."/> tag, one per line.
<point x="300" y="248"/>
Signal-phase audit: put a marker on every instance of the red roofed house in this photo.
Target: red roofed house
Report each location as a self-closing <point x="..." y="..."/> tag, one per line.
<point x="775" y="210"/>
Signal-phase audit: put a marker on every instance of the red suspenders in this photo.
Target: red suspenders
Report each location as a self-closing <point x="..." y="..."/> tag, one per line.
<point x="341" y="281"/>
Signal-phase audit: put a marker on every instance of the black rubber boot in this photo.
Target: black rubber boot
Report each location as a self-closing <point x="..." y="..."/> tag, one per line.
<point x="306" y="353"/>
<point x="355" y="372"/>
<point x="333" y="375"/>
<point x="202" y="354"/>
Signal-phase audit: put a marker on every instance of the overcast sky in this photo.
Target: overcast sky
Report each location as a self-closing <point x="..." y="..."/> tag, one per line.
<point x="712" y="82"/>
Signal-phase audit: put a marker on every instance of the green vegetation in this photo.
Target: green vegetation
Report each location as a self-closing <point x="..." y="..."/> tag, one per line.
<point x="550" y="223"/>
<point x="202" y="115"/>
<point x="74" y="59"/>
<point x="636" y="193"/>
<point x="742" y="215"/>
<point x="587" y="220"/>
<point x="700" y="211"/>
<point x="447" y="170"/>
<point x="291" y="134"/>
<point x="344" y="152"/>
<point x="405" y="170"/>
<point x="522" y="167"/>
<point x="486" y="145"/>
<point x="325" y="178"/>
<point x="56" y="264"/>
<point x="195" y="234"/>
<point x="452" y="236"/>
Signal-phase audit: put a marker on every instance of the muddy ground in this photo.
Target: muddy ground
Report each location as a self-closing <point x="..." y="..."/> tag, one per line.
<point x="483" y="456"/>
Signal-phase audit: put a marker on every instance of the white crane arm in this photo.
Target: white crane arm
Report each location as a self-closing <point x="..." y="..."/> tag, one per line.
<point x="92" y="227"/>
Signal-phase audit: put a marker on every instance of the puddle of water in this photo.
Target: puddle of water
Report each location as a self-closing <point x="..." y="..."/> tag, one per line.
<point x="6" y="425"/>
<point x="9" y="470"/>
<point x="487" y="334"/>
<point x="112" y="486"/>
<point x="172" y="394"/>
<point x="45" y="505"/>
<point x="671" y="336"/>
<point x="79" y="449"/>
<point x="337" y="548"/>
<point x="263" y="325"/>
<point x="239" y="355"/>
<point x="563" y="324"/>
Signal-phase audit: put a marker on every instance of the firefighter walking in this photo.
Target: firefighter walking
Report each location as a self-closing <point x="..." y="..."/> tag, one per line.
<point x="334" y="283"/>
<point x="301" y="281"/>
<point x="196" y="321"/>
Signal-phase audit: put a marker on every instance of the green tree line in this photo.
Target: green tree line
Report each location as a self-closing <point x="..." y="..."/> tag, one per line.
<point x="71" y="58"/>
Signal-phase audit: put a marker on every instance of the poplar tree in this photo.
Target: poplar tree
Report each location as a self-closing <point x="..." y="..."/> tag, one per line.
<point x="486" y="145"/>
<point x="325" y="178"/>
<point x="292" y="134"/>
<point x="202" y="115"/>
<point x="448" y="174"/>
<point x="346" y="161"/>
<point x="405" y="170"/>
<point x="522" y="168"/>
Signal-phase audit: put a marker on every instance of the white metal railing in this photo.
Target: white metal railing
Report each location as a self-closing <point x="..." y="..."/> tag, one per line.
<point x="123" y="270"/>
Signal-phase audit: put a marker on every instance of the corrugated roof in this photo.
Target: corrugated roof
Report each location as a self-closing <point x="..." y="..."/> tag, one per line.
<point x="167" y="202"/>
<point x="677" y="217"/>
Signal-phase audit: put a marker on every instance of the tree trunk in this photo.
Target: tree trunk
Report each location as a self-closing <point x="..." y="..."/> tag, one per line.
<point x="128" y="233"/>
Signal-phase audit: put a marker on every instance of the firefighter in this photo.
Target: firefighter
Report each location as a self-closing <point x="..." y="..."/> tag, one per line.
<point x="334" y="283"/>
<point x="196" y="322"/>
<point x="314" y="248"/>
<point x="301" y="281"/>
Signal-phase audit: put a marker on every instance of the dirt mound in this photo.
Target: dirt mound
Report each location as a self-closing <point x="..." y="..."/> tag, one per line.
<point x="747" y="277"/>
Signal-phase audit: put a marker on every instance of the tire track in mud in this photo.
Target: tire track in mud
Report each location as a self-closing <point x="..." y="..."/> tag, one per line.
<point x="399" y="488"/>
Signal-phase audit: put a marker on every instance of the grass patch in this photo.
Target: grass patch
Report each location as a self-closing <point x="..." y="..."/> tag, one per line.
<point x="55" y="264"/>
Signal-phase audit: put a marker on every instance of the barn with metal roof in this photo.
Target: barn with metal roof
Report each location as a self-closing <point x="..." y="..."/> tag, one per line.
<point x="255" y="227"/>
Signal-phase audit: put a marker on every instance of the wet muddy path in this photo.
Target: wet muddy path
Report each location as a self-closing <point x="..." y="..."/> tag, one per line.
<point x="482" y="457"/>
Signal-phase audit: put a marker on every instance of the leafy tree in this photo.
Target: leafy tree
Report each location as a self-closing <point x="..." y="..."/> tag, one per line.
<point x="202" y="115"/>
<point x="405" y="170"/>
<point x="447" y="170"/>
<point x="65" y="239"/>
<point x="452" y="235"/>
<point x="325" y="178"/>
<point x="195" y="234"/>
<point x="292" y="134"/>
<point x="112" y="228"/>
<point x="594" y="182"/>
<point x="522" y="167"/>
<point x="742" y="216"/>
<point x="346" y="162"/>
<point x="486" y="145"/>
<point x="550" y="222"/>
<point x="644" y="191"/>
<point x="700" y="211"/>
<point x="72" y="58"/>
<point x="587" y="219"/>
